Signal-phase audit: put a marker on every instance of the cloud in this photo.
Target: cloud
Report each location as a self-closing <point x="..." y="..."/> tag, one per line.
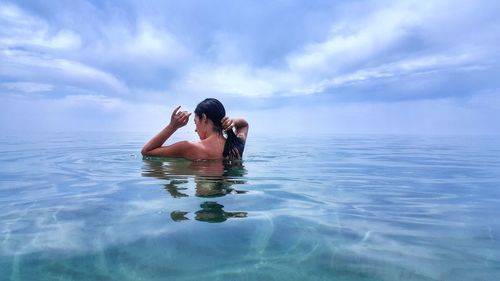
<point x="360" y="44"/>
<point x="28" y="87"/>
<point x="351" y="42"/>
<point x="100" y="101"/>
<point x="246" y="81"/>
<point x="85" y="111"/>
<point x="31" y="49"/>
<point x="21" y="65"/>
<point x="156" y="45"/>
<point x="425" y="65"/>
<point x="232" y="80"/>
<point x="99" y="55"/>
<point x="22" y="30"/>
<point x="358" y="51"/>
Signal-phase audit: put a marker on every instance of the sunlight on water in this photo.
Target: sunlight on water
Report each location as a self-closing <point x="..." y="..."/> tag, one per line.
<point x="88" y="207"/>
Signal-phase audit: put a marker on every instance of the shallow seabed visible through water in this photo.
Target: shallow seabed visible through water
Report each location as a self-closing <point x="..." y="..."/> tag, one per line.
<point x="87" y="206"/>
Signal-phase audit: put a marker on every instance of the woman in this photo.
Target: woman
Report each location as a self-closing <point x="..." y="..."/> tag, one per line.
<point x="210" y="120"/>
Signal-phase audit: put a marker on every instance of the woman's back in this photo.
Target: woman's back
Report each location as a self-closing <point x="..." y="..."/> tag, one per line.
<point x="213" y="148"/>
<point x="210" y="148"/>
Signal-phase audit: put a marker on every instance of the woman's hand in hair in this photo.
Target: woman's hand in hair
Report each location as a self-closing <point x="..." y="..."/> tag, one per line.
<point x="179" y="118"/>
<point x="240" y="124"/>
<point x="227" y="123"/>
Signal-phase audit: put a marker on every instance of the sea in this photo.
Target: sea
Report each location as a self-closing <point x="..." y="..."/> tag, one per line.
<point x="88" y="206"/>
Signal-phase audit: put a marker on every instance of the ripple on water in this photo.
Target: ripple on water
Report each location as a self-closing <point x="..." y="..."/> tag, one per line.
<point x="87" y="207"/>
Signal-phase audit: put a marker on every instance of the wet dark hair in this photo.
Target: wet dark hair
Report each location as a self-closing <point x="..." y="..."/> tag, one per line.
<point x="214" y="110"/>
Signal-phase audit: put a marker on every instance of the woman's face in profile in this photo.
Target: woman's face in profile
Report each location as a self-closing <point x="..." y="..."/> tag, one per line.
<point x="198" y="126"/>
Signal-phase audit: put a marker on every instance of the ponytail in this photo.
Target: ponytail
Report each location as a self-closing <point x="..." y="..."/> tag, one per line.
<point x="233" y="149"/>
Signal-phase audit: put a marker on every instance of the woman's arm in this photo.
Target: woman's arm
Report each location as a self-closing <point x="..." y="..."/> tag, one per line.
<point x="179" y="149"/>
<point x="240" y="124"/>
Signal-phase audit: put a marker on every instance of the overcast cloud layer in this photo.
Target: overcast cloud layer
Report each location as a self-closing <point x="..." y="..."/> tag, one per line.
<point x="287" y="66"/>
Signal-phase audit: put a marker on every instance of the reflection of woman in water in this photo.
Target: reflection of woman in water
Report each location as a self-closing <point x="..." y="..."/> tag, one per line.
<point x="212" y="179"/>
<point x="209" y="212"/>
<point x="210" y="120"/>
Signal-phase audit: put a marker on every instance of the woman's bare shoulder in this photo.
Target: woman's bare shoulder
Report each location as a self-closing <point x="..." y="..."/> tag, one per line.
<point x="199" y="150"/>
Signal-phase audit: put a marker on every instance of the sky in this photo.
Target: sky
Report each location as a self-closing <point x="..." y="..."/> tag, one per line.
<point x="288" y="67"/>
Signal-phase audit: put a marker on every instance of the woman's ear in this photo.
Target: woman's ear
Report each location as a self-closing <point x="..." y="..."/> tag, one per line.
<point x="203" y="118"/>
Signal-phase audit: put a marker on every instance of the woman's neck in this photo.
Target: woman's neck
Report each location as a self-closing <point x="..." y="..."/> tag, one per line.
<point x="211" y="133"/>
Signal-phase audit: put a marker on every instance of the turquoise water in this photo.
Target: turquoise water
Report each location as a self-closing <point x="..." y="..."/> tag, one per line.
<point x="88" y="207"/>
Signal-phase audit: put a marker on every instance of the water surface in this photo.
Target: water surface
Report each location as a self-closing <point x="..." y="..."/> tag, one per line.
<point x="86" y="206"/>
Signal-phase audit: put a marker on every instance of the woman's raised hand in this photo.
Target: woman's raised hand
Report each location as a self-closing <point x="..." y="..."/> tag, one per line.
<point x="227" y="123"/>
<point x="179" y="118"/>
